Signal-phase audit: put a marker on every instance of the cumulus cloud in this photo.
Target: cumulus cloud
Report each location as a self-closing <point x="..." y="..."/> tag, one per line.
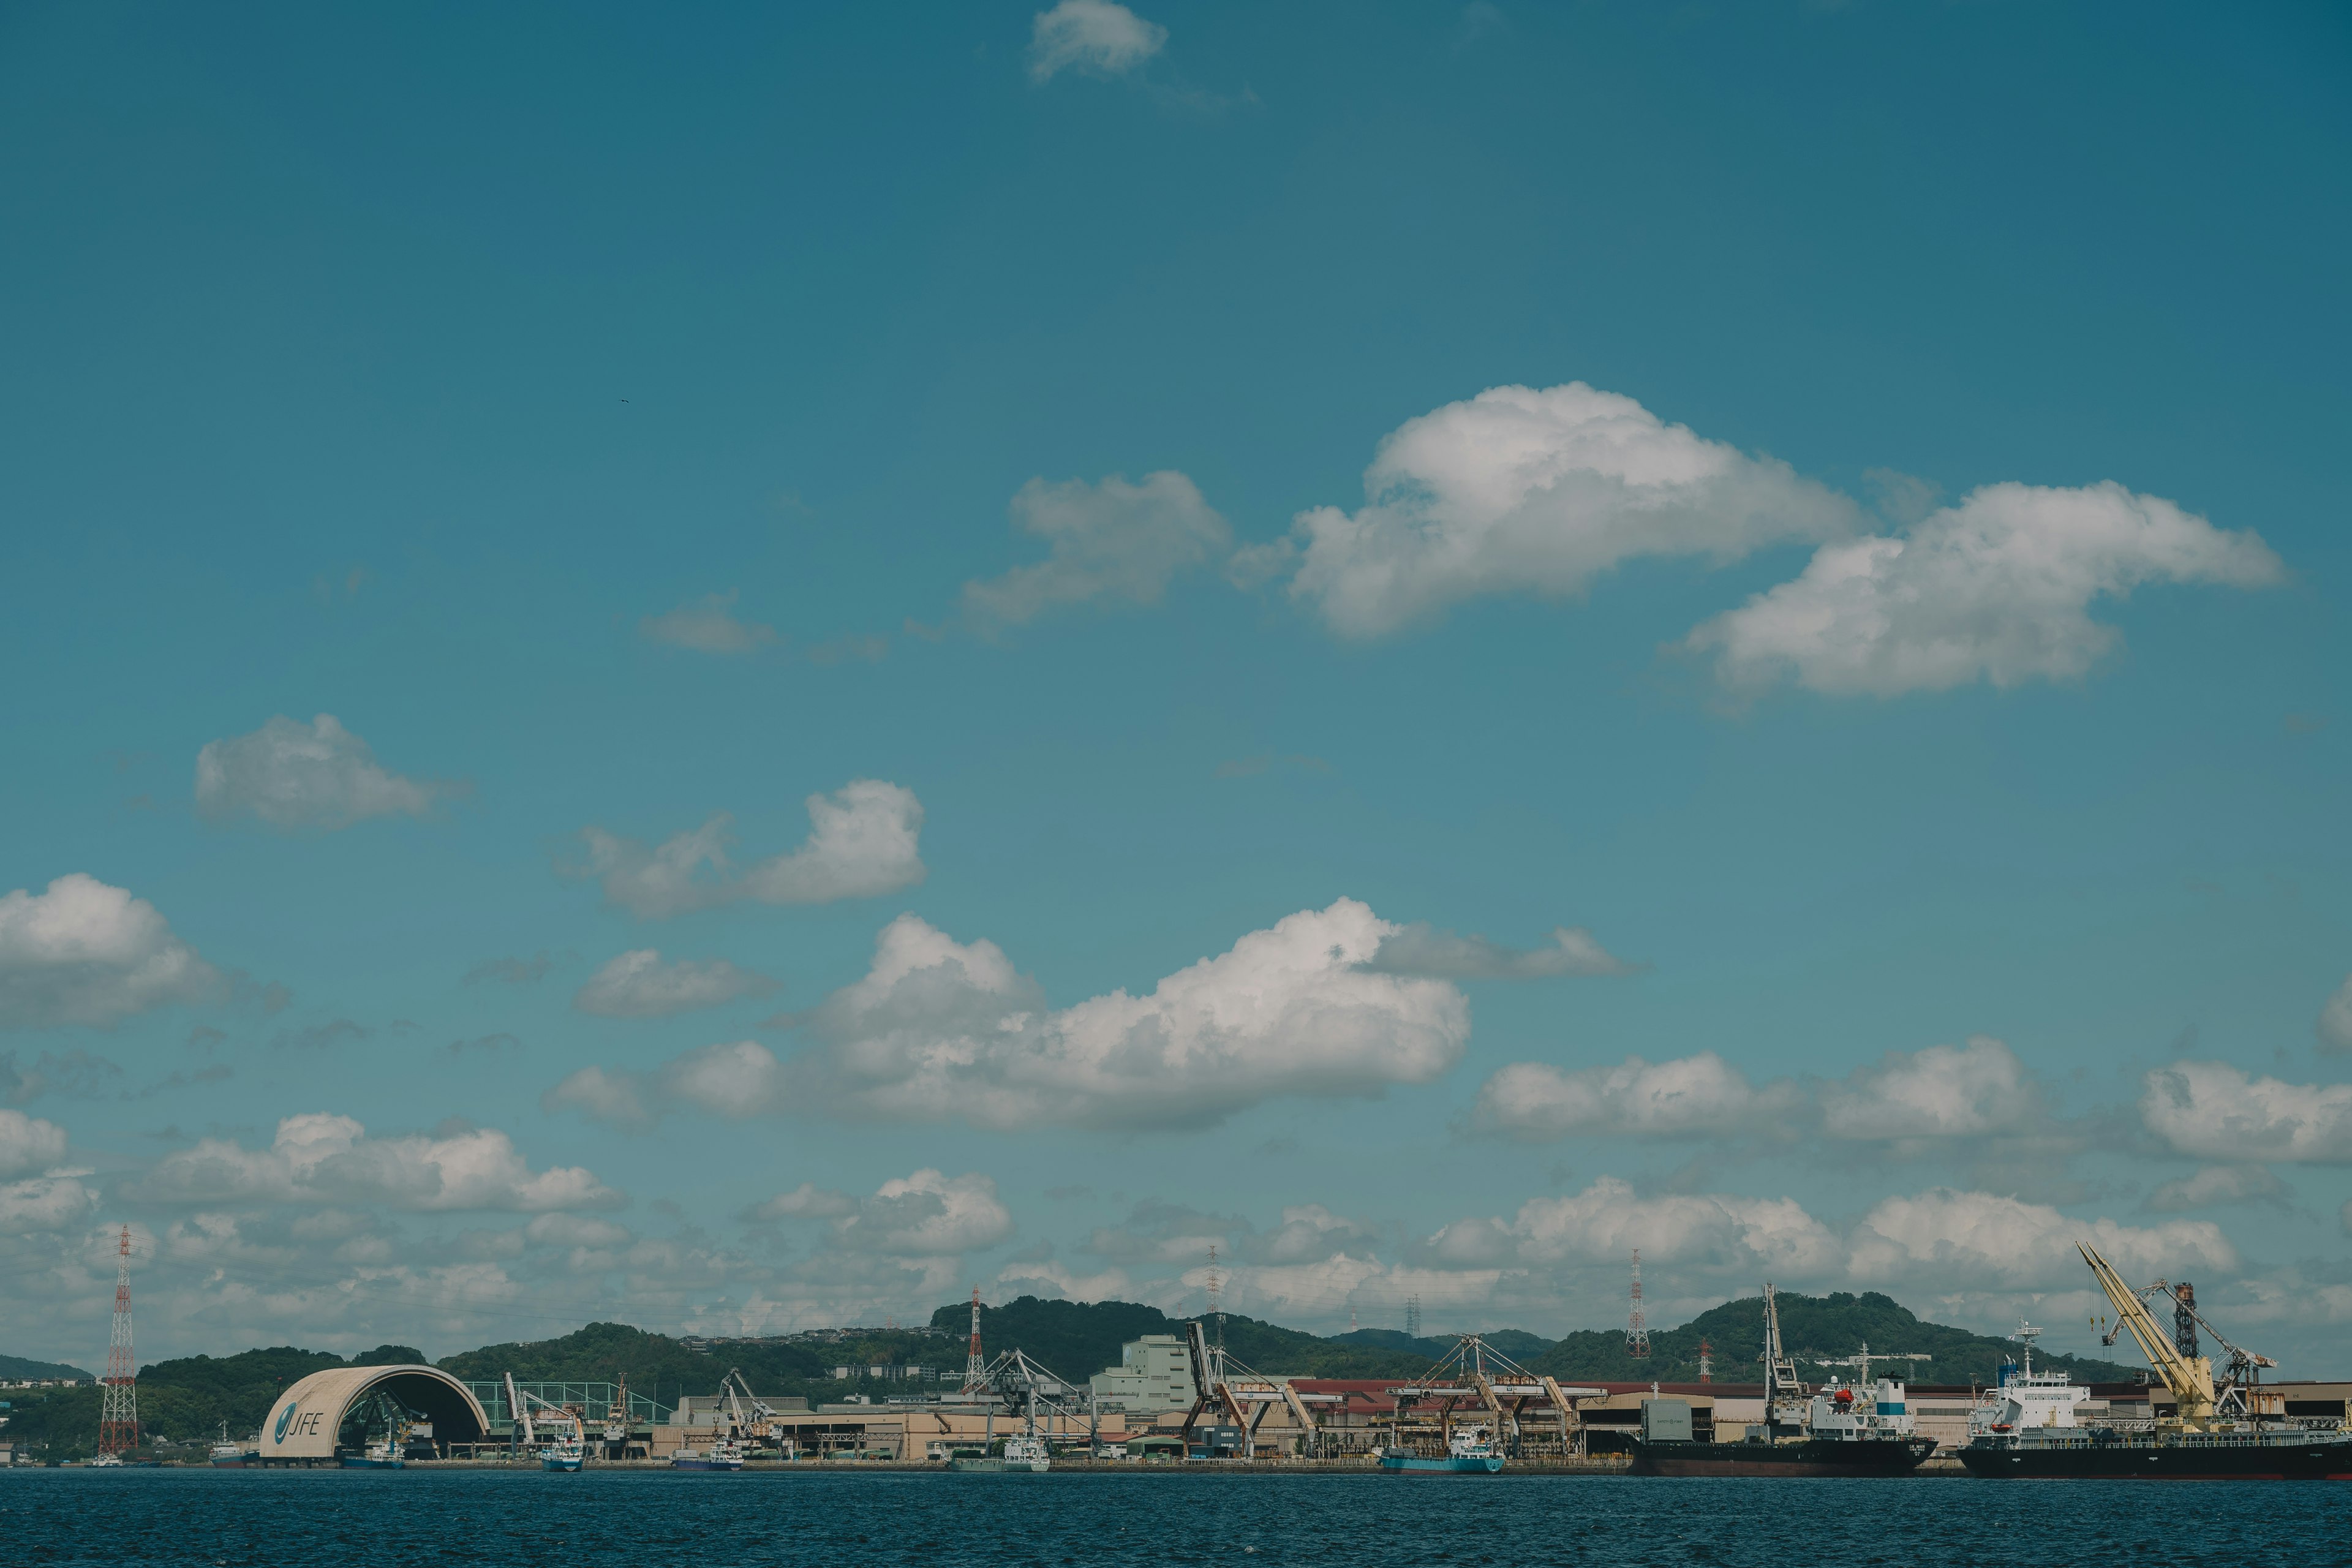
<point x="2215" y="1185"/>
<point x="1044" y="1276"/>
<point x="638" y="984"/>
<point x="1908" y="1102"/>
<point x="1095" y="37"/>
<point x="1522" y="491"/>
<point x="318" y="1158"/>
<point x="1690" y="1096"/>
<point x="737" y="1081"/>
<point x="864" y="840"/>
<point x="2210" y="1110"/>
<point x="2335" y="1026"/>
<point x="1974" y="1240"/>
<point x="1609" y="1219"/>
<point x="1421" y="949"/>
<point x="1108" y="540"/>
<point x="707" y="625"/>
<point x="939" y="1030"/>
<point x="1996" y="588"/>
<point x="1978" y="1089"/>
<point x="29" y="1144"/>
<point x="293" y="776"/>
<point x="44" y="1204"/>
<point x="925" y="1214"/>
<point x="88" y="953"/>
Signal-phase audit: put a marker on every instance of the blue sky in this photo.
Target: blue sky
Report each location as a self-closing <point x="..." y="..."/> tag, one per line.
<point x="1718" y="627"/>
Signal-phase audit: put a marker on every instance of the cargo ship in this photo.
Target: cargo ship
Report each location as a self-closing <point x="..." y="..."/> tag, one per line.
<point x="1467" y="1453"/>
<point x="725" y="1454"/>
<point x="1839" y="1430"/>
<point x="2026" y="1428"/>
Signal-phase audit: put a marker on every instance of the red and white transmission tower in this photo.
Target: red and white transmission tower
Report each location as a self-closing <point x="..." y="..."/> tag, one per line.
<point x="1705" y="1362"/>
<point x="118" y="1420"/>
<point x="975" y="1368"/>
<point x="1637" y="1333"/>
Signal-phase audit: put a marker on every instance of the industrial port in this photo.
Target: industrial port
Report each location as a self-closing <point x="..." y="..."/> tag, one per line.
<point x="1184" y="1399"/>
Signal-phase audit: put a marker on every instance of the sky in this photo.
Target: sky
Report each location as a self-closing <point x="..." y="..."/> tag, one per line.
<point x="741" y="669"/>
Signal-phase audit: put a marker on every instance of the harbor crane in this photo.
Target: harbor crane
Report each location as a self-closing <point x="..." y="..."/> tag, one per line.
<point x="1861" y="1358"/>
<point x="1027" y="1391"/>
<point x="2191" y="1378"/>
<point x="519" y="1405"/>
<point x="1244" y="1396"/>
<point x="2240" y="1395"/>
<point x="1475" y="1374"/>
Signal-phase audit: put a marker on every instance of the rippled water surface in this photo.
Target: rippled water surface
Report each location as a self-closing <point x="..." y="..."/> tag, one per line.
<point x="618" y="1519"/>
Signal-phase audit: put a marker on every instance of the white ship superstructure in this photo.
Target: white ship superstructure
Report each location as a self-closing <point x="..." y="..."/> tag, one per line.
<point x="2027" y="1400"/>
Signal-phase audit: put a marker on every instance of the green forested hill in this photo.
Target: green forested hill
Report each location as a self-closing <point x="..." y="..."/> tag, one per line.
<point x="1811" y="1326"/>
<point x="1077" y="1339"/>
<point x="15" y="1369"/>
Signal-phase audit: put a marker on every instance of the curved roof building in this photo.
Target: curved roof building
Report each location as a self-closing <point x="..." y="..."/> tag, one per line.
<point x="306" y="1421"/>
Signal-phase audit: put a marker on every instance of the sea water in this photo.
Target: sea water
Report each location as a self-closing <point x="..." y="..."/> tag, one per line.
<point x="623" y="1519"/>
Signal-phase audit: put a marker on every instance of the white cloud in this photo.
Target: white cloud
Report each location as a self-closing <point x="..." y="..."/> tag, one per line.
<point x="1308" y="1234"/>
<point x="1980" y="1240"/>
<point x="2335" y="1026"/>
<point x="1092" y="36"/>
<point x="939" y="1030"/>
<point x="707" y="625"/>
<point x="925" y="1214"/>
<point x="44" y="1204"/>
<point x="736" y="1081"/>
<point x="1048" y="1278"/>
<point x="864" y="840"/>
<point x="1108" y="540"/>
<point x="2216" y="1185"/>
<point x="638" y="984"/>
<point x="1522" y="491"/>
<point x="1690" y="1095"/>
<point x="1421" y="949"/>
<point x="321" y="777"/>
<point x="27" y="1143"/>
<point x="86" y="952"/>
<point x="1996" y="588"/>
<point x="317" y="1158"/>
<point x="1609" y="1219"/>
<point x="2210" y="1110"/>
<point x="1944" y="1092"/>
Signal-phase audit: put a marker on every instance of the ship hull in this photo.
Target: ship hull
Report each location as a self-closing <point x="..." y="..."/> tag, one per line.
<point x="999" y="1467"/>
<point x="1813" y="1457"/>
<point x="1413" y="1465"/>
<point x="2327" y="1459"/>
<point x="706" y="1464"/>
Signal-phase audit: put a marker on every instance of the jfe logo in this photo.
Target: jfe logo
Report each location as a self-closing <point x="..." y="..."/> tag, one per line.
<point x="285" y="1416"/>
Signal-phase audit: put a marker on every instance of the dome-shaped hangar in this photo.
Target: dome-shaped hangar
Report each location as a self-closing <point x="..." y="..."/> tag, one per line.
<point x="337" y="1408"/>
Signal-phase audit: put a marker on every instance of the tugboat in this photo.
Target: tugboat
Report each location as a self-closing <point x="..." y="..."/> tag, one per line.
<point x="2210" y="1436"/>
<point x="725" y="1454"/>
<point x="384" y="1456"/>
<point x="228" y="1456"/>
<point x="1468" y="1452"/>
<point x="1837" y="1432"/>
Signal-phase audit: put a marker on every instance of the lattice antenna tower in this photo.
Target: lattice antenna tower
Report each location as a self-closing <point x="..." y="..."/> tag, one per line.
<point x="1216" y="1312"/>
<point x="1637" y="1333"/>
<point x="975" y="1366"/>
<point x="118" y="1420"/>
<point x="1705" y="1362"/>
<point x="1412" y="1315"/>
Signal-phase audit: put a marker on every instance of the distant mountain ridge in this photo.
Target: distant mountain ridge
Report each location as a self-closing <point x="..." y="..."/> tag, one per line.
<point x="16" y="1368"/>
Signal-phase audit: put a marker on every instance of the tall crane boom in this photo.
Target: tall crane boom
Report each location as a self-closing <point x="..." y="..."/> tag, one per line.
<point x="2191" y="1378"/>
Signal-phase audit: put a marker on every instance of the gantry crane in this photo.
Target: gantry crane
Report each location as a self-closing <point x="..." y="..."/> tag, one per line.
<point x="2191" y="1378"/>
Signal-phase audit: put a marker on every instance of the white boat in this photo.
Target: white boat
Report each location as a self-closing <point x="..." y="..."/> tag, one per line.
<point x="106" y="1462"/>
<point x="1027" y="1453"/>
<point x="563" y="1454"/>
<point x="725" y="1454"/>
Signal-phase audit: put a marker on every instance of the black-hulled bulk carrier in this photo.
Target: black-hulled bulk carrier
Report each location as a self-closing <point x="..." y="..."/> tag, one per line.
<point x="1840" y="1431"/>
<point x="2026" y="1428"/>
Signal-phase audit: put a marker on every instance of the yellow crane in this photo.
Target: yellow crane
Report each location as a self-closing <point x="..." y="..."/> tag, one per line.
<point x="2191" y="1378"/>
